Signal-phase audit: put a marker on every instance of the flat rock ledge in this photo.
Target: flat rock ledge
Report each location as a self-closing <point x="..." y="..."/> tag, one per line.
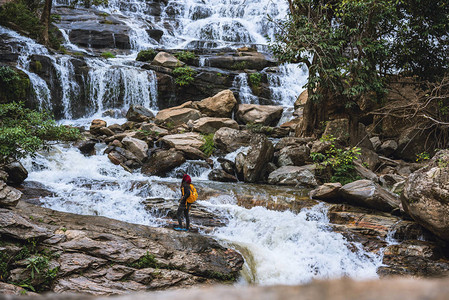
<point x="101" y="257"/>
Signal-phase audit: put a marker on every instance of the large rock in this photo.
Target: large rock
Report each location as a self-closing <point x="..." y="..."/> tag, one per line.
<point x="301" y="100"/>
<point x="16" y="172"/>
<point x="137" y="147"/>
<point x="426" y="195"/>
<point x="96" y="125"/>
<point x="221" y="105"/>
<point x="295" y="176"/>
<point x="139" y="113"/>
<point x="167" y="60"/>
<point x="339" y="129"/>
<point x="229" y="140"/>
<point x="191" y="139"/>
<point x="268" y="115"/>
<point x="163" y="161"/>
<point x="9" y="196"/>
<point x="221" y="175"/>
<point x="211" y="125"/>
<point x="246" y="60"/>
<point x="327" y="192"/>
<point x="369" y="194"/>
<point x="177" y="116"/>
<point x="259" y="155"/>
<point x="293" y="156"/>
<point x="15" y="226"/>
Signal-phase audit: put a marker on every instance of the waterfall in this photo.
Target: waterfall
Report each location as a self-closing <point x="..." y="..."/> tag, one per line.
<point x="245" y="94"/>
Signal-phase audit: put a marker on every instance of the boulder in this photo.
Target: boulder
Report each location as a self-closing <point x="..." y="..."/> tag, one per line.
<point x="96" y="125"/>
<point x="388" y="147"/>
<point x="210" y="125"/>
<point x="229" y="140"/>
<point x="259" y="155"/>
<point x="191" y="139"/>
<point x="327" y="192"/>
<point x="221" y="105"/>
<point x="426" y="195"/>
<point x="293" y="156"/>
<point x="227" y="165"/>
<point x="366" y="193"/>
<point x="294" y="176"/>
<point x="339" y="129"/>
<point x="137" y="147"/>
<point x="291" y="141"/>
<point x="268" y="115"/>
<point x="375" y="140"/>
<point x="221" y="175"/>
<point x="162" y="162"/>
<point x="9" y="196"/>
<point x="106" y="131"/>
<point x="16" y="172"/>
<point x="153" y="128"/>
<point x="15" y="226"/>
<point x="191" y="152"/>
<point x="139" y="113"/>
<point x="177" y="116"/>
<point x="167" y="60"/>
<point x="246" y="60"/>
<point x="302" y="99"/>
<point x="86" y="147"/>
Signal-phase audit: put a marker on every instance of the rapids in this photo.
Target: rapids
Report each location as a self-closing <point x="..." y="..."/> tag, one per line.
<point x="279" y="247"/>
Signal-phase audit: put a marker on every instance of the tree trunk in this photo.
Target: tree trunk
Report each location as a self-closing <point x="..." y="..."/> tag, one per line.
<point x="45" y="19"/>
<point x="314" y="116"/>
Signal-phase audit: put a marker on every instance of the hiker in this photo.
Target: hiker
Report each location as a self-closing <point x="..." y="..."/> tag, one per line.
<point x="189" y="195"/>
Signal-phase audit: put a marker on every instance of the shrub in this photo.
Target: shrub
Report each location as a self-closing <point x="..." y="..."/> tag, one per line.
<point x="146" y="55"/>
<point x="337" y="163"/>
<point x="24" y="131"/>
<point x="184" y="75"/>
<point x="185" y="56"/>
<point x="209" y="145"/>
<point x="107" y="55"/>
<point x="255" y="79"/>
<point x="19" y="14"/>
<point x="14" y="85"/>
<point x="240" y="65"/>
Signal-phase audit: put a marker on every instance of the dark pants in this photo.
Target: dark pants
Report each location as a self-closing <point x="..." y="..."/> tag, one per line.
<point x="183" y="209"/>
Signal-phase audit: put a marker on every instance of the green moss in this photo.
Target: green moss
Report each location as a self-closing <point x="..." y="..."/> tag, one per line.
<point x="146" y="55"/>
<point x="240" y="65"/>
<point x="146" y="261"/>
<point x="107" y="55"/>
<point x="221" y="276"/>
<point x="14" y="85"/>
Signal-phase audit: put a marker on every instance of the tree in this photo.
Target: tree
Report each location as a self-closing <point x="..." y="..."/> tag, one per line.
<point x="348" y="47"/>
<point x="24" y="131"/>
<point x="46" y="20"/>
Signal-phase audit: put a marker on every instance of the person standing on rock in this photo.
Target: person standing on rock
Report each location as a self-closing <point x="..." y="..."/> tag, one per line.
<point x="189" y="195"/>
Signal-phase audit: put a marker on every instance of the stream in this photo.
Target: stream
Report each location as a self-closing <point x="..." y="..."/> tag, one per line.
<point x="279" y="247"/>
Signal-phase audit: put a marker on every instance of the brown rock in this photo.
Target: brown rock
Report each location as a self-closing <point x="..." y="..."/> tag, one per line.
<point x="221" y="105"/>
<point x="96" y="125"/>
<point x="9" y="196"/>
<point x="177" y="116"/>
<point x="191" y="139"/>
<point x="327" y="191"/>
<point x="163" y="161"/>
<point x="229" y="140"/>
<point x="259" y="155"/>
<point x="210" y="125"/>
<point x="268" y="115"/>
<point x="302" y="99"/>
<point x="167" y="60"/>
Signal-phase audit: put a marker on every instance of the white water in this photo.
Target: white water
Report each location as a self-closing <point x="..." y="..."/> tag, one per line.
<point x="245" y="93"/>
<point x="279" y="247"/>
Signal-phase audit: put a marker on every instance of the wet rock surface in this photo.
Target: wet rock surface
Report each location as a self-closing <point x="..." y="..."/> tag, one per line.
<point x="101" y="256"/>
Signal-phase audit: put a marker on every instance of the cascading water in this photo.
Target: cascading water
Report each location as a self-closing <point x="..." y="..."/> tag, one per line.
<point x="245" y="94"/>
<point x="279" y="247"/>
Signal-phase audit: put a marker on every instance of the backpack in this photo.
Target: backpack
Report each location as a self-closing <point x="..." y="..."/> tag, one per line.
<point x="193" y="194"/>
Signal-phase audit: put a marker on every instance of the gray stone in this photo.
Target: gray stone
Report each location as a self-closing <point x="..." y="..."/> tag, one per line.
<point x="327" y="192"/>
<point x="259" y="155"/>
<point x="369" y="194"/>
<point x="16" y="172"/>
<point x="221" y="175"/>
<point x="139" y="113"/>
<point x="9" y="196"/>
<point x="268" y="115"/>
<point x="137" y="147"/>
<point x="163" y="161"/>
<point x="191" y="139"/>
<point x="294" y="176"/>
<point x="17" y="227"/>
<point x="229" y="140"/>
<point x="388" y="147"/>
<point x="211" y="125"/>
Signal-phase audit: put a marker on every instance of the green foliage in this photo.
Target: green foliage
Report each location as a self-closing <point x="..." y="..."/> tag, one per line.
<point x="185" y="56"/>
<point x="55" y="18"/>
<point x="4" y="262"/>
<point x="13" y="85"/>
<point x="209" y="146"/>
<point x="423" y="156"/>
<point x="239" y="65"/>
<point x="24" y="131"/>
<point x="255" y="79"/>
<point x="146" y="261"/>
<point x="339" y="162"/>
<point x="146" y="55"/>
<point x="184" y="75"/>
<point x="107" y="55"/>
<point x="19" y="16"/>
